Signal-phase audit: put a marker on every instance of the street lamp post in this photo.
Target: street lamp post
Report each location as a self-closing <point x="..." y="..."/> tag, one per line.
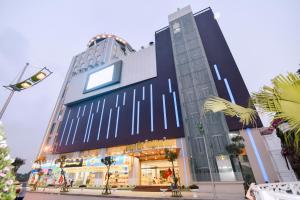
<point x="201" y="130"/>
<point x="22" y="85"/>
<point x="12" y="92"/>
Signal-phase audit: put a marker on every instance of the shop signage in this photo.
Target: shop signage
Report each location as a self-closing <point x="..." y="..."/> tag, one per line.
<point x="153" y="144"/>
<point x="96" y="161"/>
<point x="73" y="163"/>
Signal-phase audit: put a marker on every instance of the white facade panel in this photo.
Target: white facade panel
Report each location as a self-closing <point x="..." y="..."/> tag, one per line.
<point x="136" y="67"/>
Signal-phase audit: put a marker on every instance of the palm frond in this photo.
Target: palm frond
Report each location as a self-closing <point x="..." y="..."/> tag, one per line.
<point x="216" y="104"/>
<point x="283" y="99"/>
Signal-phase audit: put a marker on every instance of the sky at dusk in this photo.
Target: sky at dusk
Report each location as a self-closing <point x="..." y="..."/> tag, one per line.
<point x="263" y="37"/>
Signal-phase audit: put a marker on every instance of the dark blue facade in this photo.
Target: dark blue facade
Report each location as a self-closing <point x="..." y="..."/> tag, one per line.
<point x="147" y="110"/>
<point x="228" y="79"/>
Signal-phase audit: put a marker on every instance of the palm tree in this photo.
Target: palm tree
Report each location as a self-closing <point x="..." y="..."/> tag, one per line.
<point x="61" y="160"/>
<point x="216" y="104"/>
<point x="281" y="101"/>
<point x="107" y="161"/>
<point x="18" y="162"/>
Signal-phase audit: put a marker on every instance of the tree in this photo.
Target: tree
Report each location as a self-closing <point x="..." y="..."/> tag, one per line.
<point x="281" y="101"/>
<point x="38" y="162"/>
<point x="17" y="164"/>
<point x="172" y="156"/>
<point x="236" y="148"/>
<point x="7" y="177"/>
<point x="61" y="160"/>
<point x="107" y="161"/>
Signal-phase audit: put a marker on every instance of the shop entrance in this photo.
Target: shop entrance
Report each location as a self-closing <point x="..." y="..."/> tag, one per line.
<point x="157" y="172"/>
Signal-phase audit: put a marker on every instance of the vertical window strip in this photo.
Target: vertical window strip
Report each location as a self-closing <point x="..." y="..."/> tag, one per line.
<point x="108" y="126"/>
<point x="170" y="85"/>
<point x="133" y="113"/>
<point x="165" y="112"/>
<point x="69" y="133"/>
<point x="151" y="108"/>
<point x="176" y="109"/>
<point x="61" y="139"/>
<point x="229" y="90"/>
<point x="217" y="72"/>
<point x="117" y="122"/>
<point x="100" y="123"/>
<point x="138" y="118"/>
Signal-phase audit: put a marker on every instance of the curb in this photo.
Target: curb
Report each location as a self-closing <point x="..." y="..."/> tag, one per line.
<point x="114" y="196"/>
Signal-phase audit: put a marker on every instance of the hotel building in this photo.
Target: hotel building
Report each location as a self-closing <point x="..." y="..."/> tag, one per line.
<point x="133" y="104"/>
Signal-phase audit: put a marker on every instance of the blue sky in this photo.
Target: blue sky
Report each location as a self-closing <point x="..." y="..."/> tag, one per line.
<point x="263" y="37"/>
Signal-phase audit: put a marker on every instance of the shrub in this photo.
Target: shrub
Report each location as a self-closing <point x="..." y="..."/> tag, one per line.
<point x="194" y="186"/>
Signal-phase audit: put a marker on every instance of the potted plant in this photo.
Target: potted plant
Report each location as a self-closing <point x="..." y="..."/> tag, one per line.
<point x="194" y="189"/>
<point x="114" y="188"/>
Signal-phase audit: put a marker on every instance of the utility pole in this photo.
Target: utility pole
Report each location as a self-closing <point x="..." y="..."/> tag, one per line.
<point x="12" y="92"/>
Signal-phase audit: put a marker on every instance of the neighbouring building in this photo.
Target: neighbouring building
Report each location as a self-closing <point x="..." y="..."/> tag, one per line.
<point x="134" y="104"/>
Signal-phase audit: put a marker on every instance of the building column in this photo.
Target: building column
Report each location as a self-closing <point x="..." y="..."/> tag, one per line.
<point x="183" y="163"/>
<point x="134" y="175"/>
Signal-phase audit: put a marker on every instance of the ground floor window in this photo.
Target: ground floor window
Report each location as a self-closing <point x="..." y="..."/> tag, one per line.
<point x="157" y="172"/>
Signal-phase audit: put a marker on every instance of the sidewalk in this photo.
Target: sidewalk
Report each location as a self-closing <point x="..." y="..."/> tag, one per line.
<point x="127" y="194"/>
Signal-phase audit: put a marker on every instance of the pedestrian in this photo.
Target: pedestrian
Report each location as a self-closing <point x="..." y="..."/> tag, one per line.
<point x="22" y="192"/>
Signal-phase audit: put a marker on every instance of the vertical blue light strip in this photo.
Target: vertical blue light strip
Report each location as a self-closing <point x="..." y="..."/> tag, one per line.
<point x="117" y="100"/>
<point x="217" y="72"/>
<point x="138" y="118"/>
<point x="91" y="123"/>
<point x="151" y="108"/>
<point x="170" y="86"/>
<point x="124" y="97"/>
<point x="133" y="113"/>
<point x="83" y="111"/>
<point x="165" y="113"/>
<point x="117" y="122"/>
<point x="260" y="162"/>
<point x="143" y="92"/>
<point x="69" y="132"/>
<point x="78" y="111"/>
<point x="100" y="123"/>
<point x="176" y="109"/>
<point x="98" y="106"/>
<point x="229" y="90"/>
<point x="108" y="126"/>
<point x="88" y="123"/>
<point x="75" y="130"/>
<point x="61" y="139"/>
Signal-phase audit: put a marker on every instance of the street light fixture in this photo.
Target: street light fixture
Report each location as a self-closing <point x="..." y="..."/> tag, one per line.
<point x="22" y="85"/>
